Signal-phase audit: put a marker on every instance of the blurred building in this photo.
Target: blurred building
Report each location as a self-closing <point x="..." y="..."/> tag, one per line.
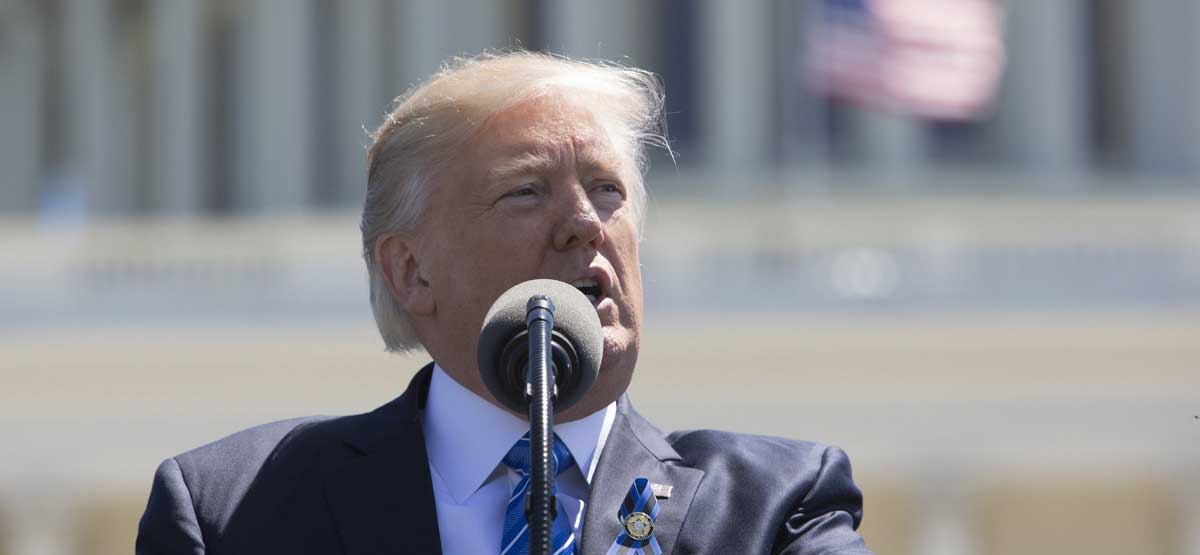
<point x="184" y="108"/>
<point x="996" y="316"/>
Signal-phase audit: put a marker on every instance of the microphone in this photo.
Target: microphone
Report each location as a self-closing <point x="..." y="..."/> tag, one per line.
<point x="577" y="343"/>
<point x="538" y="335"/>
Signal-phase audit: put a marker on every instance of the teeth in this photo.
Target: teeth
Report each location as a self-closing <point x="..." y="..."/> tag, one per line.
<point x="591" y="298"/>
<point x="586" y="282"/>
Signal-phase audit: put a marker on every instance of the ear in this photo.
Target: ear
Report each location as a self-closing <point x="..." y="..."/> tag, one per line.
<point x="397" y="257"/>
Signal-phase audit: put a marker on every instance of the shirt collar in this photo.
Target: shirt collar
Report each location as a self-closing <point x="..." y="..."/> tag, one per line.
<point x="467" y="436"/>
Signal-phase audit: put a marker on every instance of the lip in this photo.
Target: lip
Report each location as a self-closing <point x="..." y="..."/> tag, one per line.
<point x="603" y="279"/>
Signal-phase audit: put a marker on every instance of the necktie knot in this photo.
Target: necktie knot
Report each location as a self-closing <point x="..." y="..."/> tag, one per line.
<point x="519" y="457"/>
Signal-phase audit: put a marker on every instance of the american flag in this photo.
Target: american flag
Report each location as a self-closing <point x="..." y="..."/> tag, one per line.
<point x="934" y="58"/>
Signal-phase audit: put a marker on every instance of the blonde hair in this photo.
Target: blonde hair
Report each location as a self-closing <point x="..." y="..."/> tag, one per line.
<point x="429" y="124"/>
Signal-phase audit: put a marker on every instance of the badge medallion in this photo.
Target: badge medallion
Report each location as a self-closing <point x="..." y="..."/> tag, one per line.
<point x="639" y="526"/>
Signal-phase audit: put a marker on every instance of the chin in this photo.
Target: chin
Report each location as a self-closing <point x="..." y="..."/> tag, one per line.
<point x="620" y="349"/>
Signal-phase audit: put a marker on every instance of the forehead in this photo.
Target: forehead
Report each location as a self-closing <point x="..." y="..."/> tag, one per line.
<point x="542" y="126"/>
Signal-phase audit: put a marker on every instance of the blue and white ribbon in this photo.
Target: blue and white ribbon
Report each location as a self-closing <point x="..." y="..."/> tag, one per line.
<point x="640" y="499"/>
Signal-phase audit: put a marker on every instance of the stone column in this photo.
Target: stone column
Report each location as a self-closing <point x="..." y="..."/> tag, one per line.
<point x="430" y="31"/>
<point x="274" y="117"/>
<point x="178" y="115"/>
<point x="360" y="95"/>
<point x="894" y="144"/>
<point x="87" y="180"/>
<point x="1041" y="121"/>
<point x="22" y="111"/>
<point x="620" y="30"/>
<point x="736" y="100"/>
<point x="1163" y="81"/>
<point x="803" y="137"/>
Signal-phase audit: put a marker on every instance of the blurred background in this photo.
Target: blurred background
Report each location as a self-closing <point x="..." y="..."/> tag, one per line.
<point x="960" y="240"/>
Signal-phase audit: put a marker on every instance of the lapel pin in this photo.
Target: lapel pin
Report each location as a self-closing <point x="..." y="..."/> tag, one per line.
<point x="661" y="491"/>
<point x="637" y="515"/>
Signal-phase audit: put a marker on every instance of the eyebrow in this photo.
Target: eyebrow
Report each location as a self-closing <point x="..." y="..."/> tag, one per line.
<point x="528" y="163"/>
<point x="540" y="162"/>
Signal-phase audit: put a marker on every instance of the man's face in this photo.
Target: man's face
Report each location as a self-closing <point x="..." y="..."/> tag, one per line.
<point x="540" y="192"/>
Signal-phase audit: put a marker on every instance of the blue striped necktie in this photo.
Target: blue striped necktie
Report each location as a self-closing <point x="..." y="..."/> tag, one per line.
<point x="516" y="530"/>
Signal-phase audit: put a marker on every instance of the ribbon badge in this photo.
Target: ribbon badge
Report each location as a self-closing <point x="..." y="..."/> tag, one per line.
<point x="637" y="514"/>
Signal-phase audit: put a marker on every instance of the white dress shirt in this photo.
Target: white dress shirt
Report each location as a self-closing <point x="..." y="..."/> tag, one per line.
<point x="467" y="437"/>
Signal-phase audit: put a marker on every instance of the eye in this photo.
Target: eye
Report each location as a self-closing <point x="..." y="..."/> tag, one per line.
<point x="609" y="188"/>
<point x="526" y="190"/>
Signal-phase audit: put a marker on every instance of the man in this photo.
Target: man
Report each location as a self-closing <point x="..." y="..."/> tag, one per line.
<point x="500" y="169"/>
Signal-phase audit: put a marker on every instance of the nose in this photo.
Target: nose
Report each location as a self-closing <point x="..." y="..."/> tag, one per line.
<point x="581" y="225"/>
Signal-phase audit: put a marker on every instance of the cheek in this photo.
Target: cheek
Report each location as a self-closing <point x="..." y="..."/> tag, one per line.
<point x="490" y="246"/>
<point x="484" y="265"/>
<point x="633" y="272"/>
<point x="463" y="258"/>
<point x="504" y="233"/>
<point x="623" y="239"/>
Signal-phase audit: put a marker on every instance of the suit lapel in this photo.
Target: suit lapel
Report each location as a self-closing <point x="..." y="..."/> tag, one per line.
<point x="635" y="448"/>
<point x="382" y="499"/>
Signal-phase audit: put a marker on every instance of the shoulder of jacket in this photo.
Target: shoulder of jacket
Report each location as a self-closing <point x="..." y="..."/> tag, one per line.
<point x="705" y="447"/>
<point x="242" y="445"/>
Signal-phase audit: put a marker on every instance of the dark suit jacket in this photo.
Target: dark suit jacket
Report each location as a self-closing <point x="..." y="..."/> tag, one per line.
<point x="360" y="484"/>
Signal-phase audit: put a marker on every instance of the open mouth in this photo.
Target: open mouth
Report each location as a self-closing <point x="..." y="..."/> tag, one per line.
<point x="590" y="289"/>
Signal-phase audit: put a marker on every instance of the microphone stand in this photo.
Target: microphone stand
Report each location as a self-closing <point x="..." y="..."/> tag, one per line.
<point x="540" y="504"/>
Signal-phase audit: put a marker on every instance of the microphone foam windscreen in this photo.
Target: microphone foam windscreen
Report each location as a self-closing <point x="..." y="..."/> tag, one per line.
<point x="574" y="317"/>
